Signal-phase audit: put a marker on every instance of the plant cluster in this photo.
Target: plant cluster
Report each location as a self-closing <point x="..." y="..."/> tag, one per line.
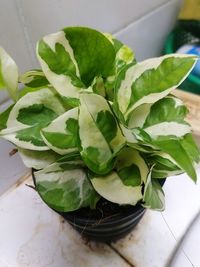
<point x="95" y="123"/>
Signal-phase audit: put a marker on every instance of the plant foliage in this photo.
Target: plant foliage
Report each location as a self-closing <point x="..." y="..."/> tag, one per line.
<point x="95" y="123"/>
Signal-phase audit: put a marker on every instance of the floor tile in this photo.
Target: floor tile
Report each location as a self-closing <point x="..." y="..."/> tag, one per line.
<point x="33" y="235"/>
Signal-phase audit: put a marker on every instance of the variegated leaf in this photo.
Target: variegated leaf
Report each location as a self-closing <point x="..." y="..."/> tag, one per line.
<point x="123" y="186"/>
<point x="8" y="74"/>
<point x="34" y="79"/>
<point x="113" y="189"/>
<point x="154" y="197"/>
<point x="149" y="81"/>
<point x="73" y="57"/>
<point x="131" y="167"/>
<point x="37" y="159"/>
<point x="161" y="118"/>
<point x="174" y="148"/>
<point x="164" y="165"/>
<point x="124" y="56"/>
<point x="65" y="186"/>
<point x="4" y="117"/>
<point x="99" y="134"/>
<point x="61" y="134"/>
<point x="29" y="115"/>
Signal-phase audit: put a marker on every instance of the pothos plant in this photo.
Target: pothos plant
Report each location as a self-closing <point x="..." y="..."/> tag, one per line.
<point x="95" y="123"/>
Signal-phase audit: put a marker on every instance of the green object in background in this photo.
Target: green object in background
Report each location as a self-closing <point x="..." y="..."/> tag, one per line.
<point x="185" y="32"/>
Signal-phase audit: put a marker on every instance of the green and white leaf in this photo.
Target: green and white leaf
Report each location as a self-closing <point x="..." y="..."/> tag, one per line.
<point x="73" y="57"/>
<point x="4" y="117"/>
<point x="174" y="148"/>
<point x="37" y="159"/>
<point x="191" y="148"/>
<point x="154" y="197"/>
<point x="113" y="189"/>
<point x="61" y="134"/>
<point x="99" y="134"/>
<point x="8" y="74"/>
<point x="65" y="187"/>
<point x="150" y="80"/>
<point x="29" y="115"/>
<point x="161" y="118"/>
<point x="164" y="165"/>
<point x="34" y="79"/>
<point x="124" y="56"/>
<point x="131" y="167"/>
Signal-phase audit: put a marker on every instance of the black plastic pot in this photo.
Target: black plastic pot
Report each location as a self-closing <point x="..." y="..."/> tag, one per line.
<point x="108" y="228"/>
<point x="109" y="222"/>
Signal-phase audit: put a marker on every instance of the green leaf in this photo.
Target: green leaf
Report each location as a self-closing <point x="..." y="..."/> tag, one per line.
<point x="164" y="165"/>
<point x="8" y="74"/>
<point x="36" y="114"/>
<point x="61" y="134"/>
<point x="34" y="79"/>
<point x="153" y="195"/>
<point x="131" y="167"/>
<point x="191" y="148"/>
<point x="4" y="117"/>
<point x="72" y="58"/>
<point x="161" y="118"/>
<point x="29" y="115"/>
<point x="94" y="54"/>
<point x="100" y="137"/>
<point x="124" y="56"/>
<point x="113" y="189"/>
<point x="150" y="80"/>
<point x="65" y="189"/>
<point x="174" y="148"/>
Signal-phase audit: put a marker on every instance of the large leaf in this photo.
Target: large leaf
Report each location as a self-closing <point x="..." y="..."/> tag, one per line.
<point x="153" y="195"/>
<point x="61" y="134"/>
<point x="161" y="118"/>
<point x="72" y="58"/>
<point x="65" y="186"/>
<point x="8" y="74"/>
<point x="123" y="186"/>
<point x="99" y="134"/>
<point x="150" y="80"/>
<point x="113" y="189"/>
<point x="29" y="115"/>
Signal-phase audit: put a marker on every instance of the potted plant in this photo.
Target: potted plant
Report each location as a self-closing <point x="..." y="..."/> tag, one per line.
<point x="99" y="130"/>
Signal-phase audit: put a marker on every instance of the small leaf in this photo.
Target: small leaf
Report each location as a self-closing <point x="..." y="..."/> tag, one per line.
<point x="8" y="74"/>
<point x="61" y="134"/>
<point x="153" y="195"/>
<point x="34" y="79"/>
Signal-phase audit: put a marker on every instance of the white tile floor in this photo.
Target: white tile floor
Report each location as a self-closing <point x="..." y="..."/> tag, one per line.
<point x="33" y="235"/>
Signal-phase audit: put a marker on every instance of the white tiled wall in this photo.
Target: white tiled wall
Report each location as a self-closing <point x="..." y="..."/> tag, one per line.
<point x="142" y="24"/>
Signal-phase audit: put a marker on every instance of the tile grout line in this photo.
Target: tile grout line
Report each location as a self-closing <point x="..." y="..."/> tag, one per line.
<point x="27" y="38"/>
<point x="147" y="14"/>
<point x="181" y="240"/>
<point x="120" y="255"/>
